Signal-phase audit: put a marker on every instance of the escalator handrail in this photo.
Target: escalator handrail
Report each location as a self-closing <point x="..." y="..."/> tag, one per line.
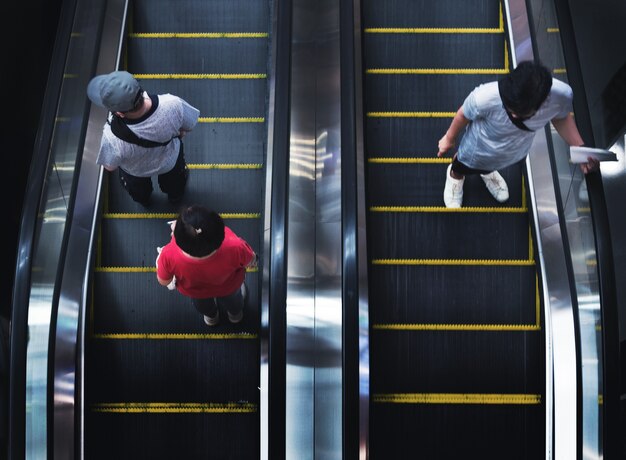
<point x="28" y="227"/>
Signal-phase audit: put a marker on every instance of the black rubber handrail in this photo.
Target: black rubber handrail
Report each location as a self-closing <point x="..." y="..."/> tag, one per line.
<point x="349" y="213"/>
<point x="277" y="360"/>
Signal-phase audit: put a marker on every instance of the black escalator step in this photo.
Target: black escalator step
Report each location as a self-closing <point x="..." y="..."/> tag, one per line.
<point x="452" y="432"/>
<point x="224" y="98"/>
<point x="223" y="190"/>
<point x="458" y="361"/>
<point x="159" y="436"/>
<point x="501" y="237"/>
<point x="230" y="143"/>
<point x="132" y="304"/>
<point x="141" y="236"/>
<point x="419" y="93"/>
<point x="404" y="137"/>
<point x="443" y="52"/>
<point x="173" y="370"/>
<point x="222" y="56"/>
<point x="428" y="14"/>
<point x="189" y="16"/>
<point x="432" y="295"/>
<point x="416" y="184"/>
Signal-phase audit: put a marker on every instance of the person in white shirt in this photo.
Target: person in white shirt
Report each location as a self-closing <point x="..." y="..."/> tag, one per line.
<point x="499" y="120"/>
<point x="143" y="135"/>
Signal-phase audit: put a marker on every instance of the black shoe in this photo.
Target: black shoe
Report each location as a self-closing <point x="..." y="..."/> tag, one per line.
<point x="174" y="200"/>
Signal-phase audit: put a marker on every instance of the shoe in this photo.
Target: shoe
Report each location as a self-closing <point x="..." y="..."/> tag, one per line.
<point x="174" y="200"/>
<point x="146" y="204"/>
<point x="212" y="321"/>
<point x="453" y="191"/>
<point x="235" y="318"/>
<point x="496" y="185"/>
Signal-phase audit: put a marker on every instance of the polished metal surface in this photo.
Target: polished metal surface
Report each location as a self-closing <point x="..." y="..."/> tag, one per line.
<point x="68" y="351"/>
<point x="314" y="307"/>
<point x="561" y="365"/>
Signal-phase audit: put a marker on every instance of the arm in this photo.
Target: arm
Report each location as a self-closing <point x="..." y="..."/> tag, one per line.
<point x="459" y="122"/>
<point x="567" y="129"/>
<point x="163" y="282"/>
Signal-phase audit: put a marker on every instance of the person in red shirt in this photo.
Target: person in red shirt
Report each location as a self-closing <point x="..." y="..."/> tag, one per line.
<point x="206" y="261"/>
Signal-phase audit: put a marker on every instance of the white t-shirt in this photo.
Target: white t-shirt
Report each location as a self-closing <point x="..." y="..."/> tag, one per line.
<point x="491" y="141"/>
<point x="167" y="116"/>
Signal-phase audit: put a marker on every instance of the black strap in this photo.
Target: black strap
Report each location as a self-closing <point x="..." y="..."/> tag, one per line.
<point x="122" y="131"/>
<point x="516" y="121"/>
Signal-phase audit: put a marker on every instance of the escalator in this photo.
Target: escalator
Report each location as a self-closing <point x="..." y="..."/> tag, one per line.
<point x="457" y="366"/>
<point x="159" y="382"/>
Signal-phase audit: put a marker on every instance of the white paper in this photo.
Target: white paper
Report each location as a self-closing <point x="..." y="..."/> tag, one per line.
<point x="581" y="154"/>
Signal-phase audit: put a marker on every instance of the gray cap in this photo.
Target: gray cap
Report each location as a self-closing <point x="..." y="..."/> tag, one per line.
<point x="115" y="91"/>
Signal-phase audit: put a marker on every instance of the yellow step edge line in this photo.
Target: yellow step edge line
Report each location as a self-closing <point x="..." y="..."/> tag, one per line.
<point x="412" y="160"/>
<point x="199" y="35"/>
<point x="449" y="71"/>
<point x="231" y="120"/>
<point x="494" y="262"/>
<point x="144" y="269"/>
<point x="199" y="76"/>
<point x="433" y="30"/>
<point x="456" y="398"/>
<point x="468" y="209"/>
<point x="559" y="71"/>
<point x="174" y="336"/>
<point x="224" y="165"/>
<point x="454" y="327"/>
<point x="186" y="408"/>
<point x="411" y="114"/>
<point x="552" y="30"/>
<point x="422" y="71"/>
<point x="224" y="215"/>
<point x="443" y="30"/>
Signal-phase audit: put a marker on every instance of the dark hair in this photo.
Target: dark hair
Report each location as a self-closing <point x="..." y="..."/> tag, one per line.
<point x="524" y="90"/>
<point x="199" y="231"/>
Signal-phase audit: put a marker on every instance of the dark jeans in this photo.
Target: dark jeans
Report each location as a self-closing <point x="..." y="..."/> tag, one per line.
<point x="463" y="170"/>
<point x="172" y="182"/>
<point x="232" y="303"/>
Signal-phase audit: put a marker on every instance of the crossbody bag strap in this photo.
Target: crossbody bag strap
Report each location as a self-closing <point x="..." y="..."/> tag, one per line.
<point x="123" y="132"/>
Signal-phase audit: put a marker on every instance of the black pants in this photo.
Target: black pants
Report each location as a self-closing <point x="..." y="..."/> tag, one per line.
<point x="464" y="170"/>
<point x="233" y="303"/>
<point x="172" y="182"/>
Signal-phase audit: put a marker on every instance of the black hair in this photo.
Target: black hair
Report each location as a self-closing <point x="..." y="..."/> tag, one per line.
<point x="199" y="231"/>
<point x="525" y="88"/>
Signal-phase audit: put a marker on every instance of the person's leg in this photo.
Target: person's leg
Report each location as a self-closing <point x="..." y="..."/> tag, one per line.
<point x="139" y="188"/>
<point x="234" y="303"/>
<point x="208" y="308"/>
<point x="453" y="190"/>
<point x="174" y="181"/>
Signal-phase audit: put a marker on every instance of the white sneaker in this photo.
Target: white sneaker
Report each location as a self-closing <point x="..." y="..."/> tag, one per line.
<point x="496" y="185"/>
<point x="453" y="191"/>
<point x="212" y="321"/>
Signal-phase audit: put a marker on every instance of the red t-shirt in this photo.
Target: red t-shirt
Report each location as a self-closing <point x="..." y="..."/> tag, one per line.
<point x="219" y="275"/>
